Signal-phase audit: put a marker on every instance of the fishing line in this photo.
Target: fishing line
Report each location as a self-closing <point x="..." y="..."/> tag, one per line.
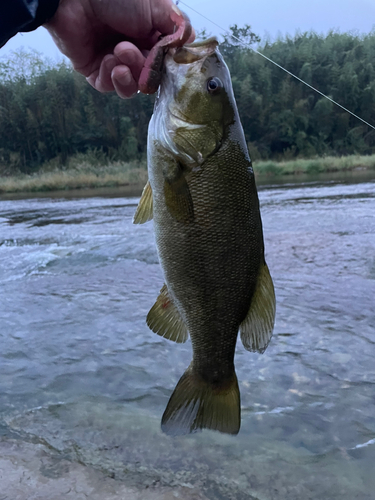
<point x="275" y="63"/>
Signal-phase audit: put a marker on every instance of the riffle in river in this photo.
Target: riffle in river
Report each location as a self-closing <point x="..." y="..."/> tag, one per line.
<point x="84" y="380"/>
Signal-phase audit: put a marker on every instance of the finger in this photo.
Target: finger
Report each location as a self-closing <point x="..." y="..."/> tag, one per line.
<point x="100" y="78"/>
<point x="103" y="81"/>
<point x="91" y="79"/>
<point x="123" y="82"/>
<point x="130" y="56"/>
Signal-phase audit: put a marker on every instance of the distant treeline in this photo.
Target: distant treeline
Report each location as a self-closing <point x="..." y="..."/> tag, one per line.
<point x="49" y="112"/>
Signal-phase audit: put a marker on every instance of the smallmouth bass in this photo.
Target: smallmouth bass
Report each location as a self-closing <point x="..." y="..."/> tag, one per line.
<point x="202" y="196"/>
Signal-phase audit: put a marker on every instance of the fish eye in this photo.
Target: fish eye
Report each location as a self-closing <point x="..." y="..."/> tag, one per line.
<point x="214" y="85"/>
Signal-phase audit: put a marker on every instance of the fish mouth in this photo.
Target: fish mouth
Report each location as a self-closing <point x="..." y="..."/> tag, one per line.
<point x="204" y="43"/>
<point x="192" y="52"/>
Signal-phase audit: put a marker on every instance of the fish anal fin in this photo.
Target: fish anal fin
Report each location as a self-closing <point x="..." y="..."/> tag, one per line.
<point x="165" y="319"/>
<point x="196" y="404"/>
<point x="256" y="330"/>
<point x="144" y="211"/>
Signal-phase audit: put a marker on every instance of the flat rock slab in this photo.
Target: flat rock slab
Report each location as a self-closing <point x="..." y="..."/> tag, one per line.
<point x="32" y="472"/>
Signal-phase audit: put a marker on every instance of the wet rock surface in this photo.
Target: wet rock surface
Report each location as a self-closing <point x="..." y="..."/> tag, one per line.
<point x="31" y="472"/>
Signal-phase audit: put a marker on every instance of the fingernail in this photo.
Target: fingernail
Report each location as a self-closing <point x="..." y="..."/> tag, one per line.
<point x="91" y="80"/>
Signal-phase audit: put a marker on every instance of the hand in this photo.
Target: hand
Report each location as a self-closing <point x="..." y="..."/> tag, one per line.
<point x="108" y="41"/>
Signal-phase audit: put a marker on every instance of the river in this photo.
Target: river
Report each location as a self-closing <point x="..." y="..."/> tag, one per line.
<point x="83" y="380"/>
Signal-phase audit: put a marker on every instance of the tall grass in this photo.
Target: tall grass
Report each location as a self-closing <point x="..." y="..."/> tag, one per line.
<point x="76" y="176"/>
<point x="83" y="172"/>
<point x="315" y="166"/>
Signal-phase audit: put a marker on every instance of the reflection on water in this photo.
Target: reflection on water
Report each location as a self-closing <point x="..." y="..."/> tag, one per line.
<point x="79" y="369"/>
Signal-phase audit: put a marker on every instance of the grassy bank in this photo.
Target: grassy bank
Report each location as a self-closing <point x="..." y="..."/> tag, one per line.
<point x="315" y="166"/>
<point x="84" y="175"/>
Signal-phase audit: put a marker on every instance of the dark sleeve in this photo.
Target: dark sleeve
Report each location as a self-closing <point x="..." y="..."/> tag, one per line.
<point x="24" y="15"/>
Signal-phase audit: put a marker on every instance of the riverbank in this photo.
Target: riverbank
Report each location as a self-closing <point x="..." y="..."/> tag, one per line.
<point x="81" y="176"/>
<point x="133" y="176"/>
<point x="313" y="166"/>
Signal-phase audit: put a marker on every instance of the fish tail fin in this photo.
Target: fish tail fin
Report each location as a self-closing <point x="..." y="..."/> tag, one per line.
<point x="197" y="404"/>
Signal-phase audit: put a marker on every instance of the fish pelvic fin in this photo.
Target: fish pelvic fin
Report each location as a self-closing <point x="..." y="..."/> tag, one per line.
<point x="144" y="211"/>
<point x="196" y="404"/>
<point x="165" y="319"/>
<point x="256" y="330"/>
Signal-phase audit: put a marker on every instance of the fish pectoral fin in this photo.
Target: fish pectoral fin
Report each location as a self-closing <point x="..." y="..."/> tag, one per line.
<point x="178" y="197"/>
<point x="256" y="330"/>
<point x="196" y="404"/>
<point x="144" y="211"/>
<point x="165" y="319"/>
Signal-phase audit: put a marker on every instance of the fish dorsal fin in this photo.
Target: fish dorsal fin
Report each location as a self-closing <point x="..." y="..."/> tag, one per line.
<point x="256" y="330"/>
<point x="165" y="319"/>
<point x="144" y="211"/>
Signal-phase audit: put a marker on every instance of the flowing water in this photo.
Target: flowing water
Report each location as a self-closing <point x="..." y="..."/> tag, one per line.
<point x="81" y="374"/>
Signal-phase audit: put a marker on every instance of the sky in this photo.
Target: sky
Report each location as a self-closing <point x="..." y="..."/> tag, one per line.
<point x="268" y="19"/>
